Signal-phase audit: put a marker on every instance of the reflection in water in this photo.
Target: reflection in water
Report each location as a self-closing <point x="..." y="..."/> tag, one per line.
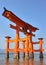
<point x="16" y="62"/>
<point x="31" y="61"/>
<point x="41" y="61"/>
<point x="6" y="61"/>
<point x="11" y="62"/>
<point x="24" y="62"/>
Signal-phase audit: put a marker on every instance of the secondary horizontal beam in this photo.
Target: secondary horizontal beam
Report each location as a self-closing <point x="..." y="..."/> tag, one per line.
<point x="14" y="27"/>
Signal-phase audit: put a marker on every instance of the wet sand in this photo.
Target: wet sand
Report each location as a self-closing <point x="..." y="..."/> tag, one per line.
<point x="22" y="61"/>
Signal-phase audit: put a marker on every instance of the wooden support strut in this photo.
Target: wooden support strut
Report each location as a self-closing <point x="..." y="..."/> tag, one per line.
<point x="7" y="46"/>
<point x="26" y="46"/>
<point x="23" y="47"/>
<point x="31" y="45"/>
<point x="41" y="49"/>
<point x="26" y="43"/>
<point x="41" y="42"/>
<point x="31" y="48"/>
<point x="16" y="46"/>
<point x="36" y="42"/>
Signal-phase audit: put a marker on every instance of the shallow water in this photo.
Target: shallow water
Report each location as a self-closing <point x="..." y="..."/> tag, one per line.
<point x="22" y="61"/>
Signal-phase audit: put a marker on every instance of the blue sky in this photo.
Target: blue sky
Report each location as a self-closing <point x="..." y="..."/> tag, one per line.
<point x="31" y="11"/>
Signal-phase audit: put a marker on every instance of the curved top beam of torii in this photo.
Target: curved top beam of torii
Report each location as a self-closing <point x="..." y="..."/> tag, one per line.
<point x="8" y="14"/>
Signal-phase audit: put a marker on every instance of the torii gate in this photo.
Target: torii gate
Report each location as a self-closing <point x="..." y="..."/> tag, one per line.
<point x="27" y="43"/>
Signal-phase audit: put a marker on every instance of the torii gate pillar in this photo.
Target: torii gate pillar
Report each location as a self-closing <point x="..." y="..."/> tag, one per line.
<point x="26" y="47"/>
<point x="7" y="46"/>
<point x="41" y="49"/>
<point x="31" y="48"/>
<point x="16" y="46"/>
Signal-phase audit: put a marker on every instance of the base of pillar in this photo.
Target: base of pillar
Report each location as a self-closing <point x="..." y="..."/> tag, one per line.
<point x="31" y="55"/>
<point x="41" y="55"/>
<point x="7" y="55"/>
<point x="23" y="55"/>
<point x="26" y="55"/>
<point x="16" y="56"/>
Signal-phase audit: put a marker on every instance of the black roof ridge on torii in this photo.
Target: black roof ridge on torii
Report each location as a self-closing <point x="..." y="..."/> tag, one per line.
<point x="15" y="19"/>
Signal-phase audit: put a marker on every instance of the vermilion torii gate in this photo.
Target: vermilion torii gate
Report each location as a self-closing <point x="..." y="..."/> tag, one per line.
<point x="27" y="43"/>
